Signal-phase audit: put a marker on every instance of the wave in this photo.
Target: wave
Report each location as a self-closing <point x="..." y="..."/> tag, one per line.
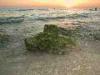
<point x="69" y="16"/>
<point x="18" y="19"/>
<point x="81" y="15"/>
<point x="48" y="18"/>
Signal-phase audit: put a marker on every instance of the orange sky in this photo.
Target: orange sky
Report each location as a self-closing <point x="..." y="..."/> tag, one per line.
<point x="50" y="3"/>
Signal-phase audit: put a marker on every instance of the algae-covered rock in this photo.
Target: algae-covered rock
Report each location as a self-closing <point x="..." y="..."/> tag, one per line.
<point x="51" y="29"/>
<point x="96" y="35"/>
<point x="49" y="41"/>
<point x="3" y="39"/>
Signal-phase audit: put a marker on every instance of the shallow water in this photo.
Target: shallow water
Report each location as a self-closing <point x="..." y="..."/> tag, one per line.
<point x="14" y="58"/>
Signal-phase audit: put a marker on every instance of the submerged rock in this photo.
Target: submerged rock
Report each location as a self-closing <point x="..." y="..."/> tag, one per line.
<point x="96" y="35"/>
<point x="3" y="39"/>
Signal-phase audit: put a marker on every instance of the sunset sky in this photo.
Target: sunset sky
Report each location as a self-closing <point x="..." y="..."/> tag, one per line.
<point x="50" y="3"/>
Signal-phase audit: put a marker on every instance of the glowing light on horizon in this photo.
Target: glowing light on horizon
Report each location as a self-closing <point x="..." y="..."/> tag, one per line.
<point x="51" y="3"/>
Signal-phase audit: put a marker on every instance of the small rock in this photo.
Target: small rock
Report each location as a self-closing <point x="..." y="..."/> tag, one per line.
<point x="76" y="68"/>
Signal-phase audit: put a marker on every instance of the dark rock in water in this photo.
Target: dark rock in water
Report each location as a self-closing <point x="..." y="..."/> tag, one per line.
<point x="96" y="35"/>
<point x="49" y="41"/>
<point x="96" y="9"/>
<point x="3" y="39"/>
<point x="93" y="9"/>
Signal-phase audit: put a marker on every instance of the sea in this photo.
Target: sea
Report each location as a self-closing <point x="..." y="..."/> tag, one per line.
<point x="20" y="23"/>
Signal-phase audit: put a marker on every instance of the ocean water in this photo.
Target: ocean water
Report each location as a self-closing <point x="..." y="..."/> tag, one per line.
<point x="39" y="17"/>
<point x="33" y="23"/>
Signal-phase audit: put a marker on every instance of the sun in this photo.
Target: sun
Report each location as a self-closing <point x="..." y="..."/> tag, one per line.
<point x="72" y="3"/>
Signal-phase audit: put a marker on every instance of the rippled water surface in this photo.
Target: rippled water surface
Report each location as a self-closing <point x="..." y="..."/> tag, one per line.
<point x="14" y="59"/>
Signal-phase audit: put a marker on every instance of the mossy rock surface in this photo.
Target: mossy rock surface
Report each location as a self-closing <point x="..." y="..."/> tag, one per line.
<point x="96" y="35"/>
<point x="3" y="39"/>
<point x="51" y="29"/>
<point x="49" y="41"/>
<point x="3" y="36"/>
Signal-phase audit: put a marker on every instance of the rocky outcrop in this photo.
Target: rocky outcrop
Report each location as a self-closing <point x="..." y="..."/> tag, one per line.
<point x="50" y="41"/>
